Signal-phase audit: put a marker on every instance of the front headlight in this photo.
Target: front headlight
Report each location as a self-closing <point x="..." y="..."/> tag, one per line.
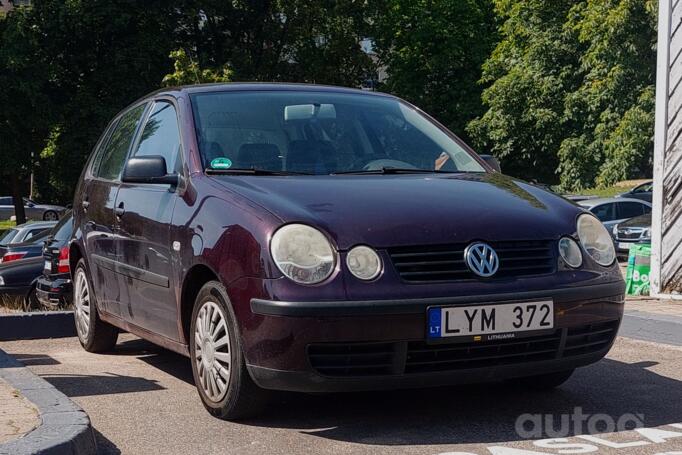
<point x="596" y="240"/>
<point x="364" y="263"/>
<point x="2" y="281"/>
<point x="646" y="235"/>
<point x="570" y="252"/>
<point x="302" y="253"/>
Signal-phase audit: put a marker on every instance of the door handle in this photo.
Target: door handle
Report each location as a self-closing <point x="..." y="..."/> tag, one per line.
<point x="85" y="205"/>
<point x="120" y="210"/>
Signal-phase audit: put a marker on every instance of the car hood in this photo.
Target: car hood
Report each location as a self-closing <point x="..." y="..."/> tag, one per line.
<point x="641" y="221"/>
<point x="396" y="210"/>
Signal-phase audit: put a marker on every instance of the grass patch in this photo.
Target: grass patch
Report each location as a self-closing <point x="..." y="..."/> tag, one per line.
<point x="4" y="225"/>
<point x="610" y="191"/>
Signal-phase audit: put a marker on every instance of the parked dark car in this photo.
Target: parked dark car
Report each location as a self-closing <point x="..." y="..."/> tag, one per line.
<point x="321" y="239"/>
<point x="18" y="279"/>
<point x="53" y="288"/>
<point x="24" y="250"/>
<point x="25" y="232"/>
<point x="635" y="230"/>
<point x="643" y="192"/>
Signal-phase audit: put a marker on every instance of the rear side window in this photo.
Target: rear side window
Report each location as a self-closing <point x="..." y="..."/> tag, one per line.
<point x="116" y="151"/>
<point x="6" y="201"/>
<point x="63" y="230"/>
<point x="161" y="135"/>
<point x="630" y="210"/>
<point x="605" y="212"/>
<point x="32" y="233"/>
<point x="7" y="237"/>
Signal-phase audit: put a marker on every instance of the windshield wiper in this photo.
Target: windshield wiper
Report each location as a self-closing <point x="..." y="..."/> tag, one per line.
<point x="251" y="172"/>
<point x="394" y="170"/>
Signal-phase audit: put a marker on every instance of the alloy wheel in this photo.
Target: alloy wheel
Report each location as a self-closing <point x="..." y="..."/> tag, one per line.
<point x="212" y="351"/>
<point x="51" y="216"/>
<point x="81" y="303"/>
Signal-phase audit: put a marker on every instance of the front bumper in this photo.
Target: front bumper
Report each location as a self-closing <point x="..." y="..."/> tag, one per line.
<point x="363" y="345"/>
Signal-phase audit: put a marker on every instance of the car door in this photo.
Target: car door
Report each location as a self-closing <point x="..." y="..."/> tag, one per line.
<point x="98" y="202"/>
<point x="143" y="229"/>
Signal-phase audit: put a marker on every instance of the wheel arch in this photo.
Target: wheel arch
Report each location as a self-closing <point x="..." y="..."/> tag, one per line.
<point x="197" y="276"/>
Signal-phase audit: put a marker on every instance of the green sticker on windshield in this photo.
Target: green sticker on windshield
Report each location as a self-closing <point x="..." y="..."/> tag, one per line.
<point x="221" y="163"/>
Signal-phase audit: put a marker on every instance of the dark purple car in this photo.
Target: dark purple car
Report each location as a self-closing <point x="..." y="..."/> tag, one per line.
<point x="306" y="238"/>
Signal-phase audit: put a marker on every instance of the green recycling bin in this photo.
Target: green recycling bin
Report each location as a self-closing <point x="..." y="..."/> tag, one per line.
<point x="639" y="269"/>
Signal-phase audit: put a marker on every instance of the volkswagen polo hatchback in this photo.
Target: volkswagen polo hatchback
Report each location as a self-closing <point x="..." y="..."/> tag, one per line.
<point x="321" y="239"/>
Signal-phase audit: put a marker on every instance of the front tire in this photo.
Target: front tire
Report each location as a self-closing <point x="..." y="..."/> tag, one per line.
<point x="94" y="334"/>
<point x="218" y="365"/>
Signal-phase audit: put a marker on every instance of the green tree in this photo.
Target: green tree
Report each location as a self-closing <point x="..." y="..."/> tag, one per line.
<point x="278" y="40"/>
<point x="531" y="71"/>
<point x="102" y="55"/>
<point x="187" y="71"/>
<point x="571" y="98"/>
<point x="433" y="51"/>
<point x="26" y="113"/>
<point x="614" y="106"/>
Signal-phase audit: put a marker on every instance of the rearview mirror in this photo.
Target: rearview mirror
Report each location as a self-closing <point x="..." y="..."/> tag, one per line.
<point x="491" y="161"/>
<point x="309" y="111"/>
<point x="148" y="169"/>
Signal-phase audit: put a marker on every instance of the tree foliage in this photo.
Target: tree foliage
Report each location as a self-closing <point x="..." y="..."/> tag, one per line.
<point x="433" y="52"/>
<point x="187" y="71"/>
<point x="571" y="98"/>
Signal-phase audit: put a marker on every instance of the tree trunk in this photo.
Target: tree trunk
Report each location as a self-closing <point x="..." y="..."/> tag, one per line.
<point x="19" y="211"/>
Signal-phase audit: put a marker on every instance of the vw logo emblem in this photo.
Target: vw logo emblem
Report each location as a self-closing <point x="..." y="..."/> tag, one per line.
<point x="482" y="259"/>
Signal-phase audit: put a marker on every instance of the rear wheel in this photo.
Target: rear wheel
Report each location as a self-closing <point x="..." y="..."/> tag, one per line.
<point x="94" y="334"/>
<point x="50" y="215"/>
<point x="544" y="381"/>
<point x="218" y="364"/>
<point x="31" y="302"/>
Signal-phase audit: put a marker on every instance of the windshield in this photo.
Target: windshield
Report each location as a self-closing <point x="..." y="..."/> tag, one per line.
<point x="320" y="133"/>
<point x="7" y="237"/>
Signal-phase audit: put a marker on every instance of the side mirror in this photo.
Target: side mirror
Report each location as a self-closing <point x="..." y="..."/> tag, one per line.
<point x="148" y="169"/>
<point x="492" y="162"/>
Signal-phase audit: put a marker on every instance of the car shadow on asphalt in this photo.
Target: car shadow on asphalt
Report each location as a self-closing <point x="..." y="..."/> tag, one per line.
<point x="461" y="414"/>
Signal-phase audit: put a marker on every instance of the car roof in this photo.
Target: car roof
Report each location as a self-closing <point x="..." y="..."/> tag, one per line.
<point x="606" y="200"/>
<point x="260" y="86"/>
<point x="37" y="224"/>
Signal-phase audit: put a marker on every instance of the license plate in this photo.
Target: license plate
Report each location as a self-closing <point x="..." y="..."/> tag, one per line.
<point x="490" y="322"/>
<point x="624" y="245"/>
<point x="48" y="266"/>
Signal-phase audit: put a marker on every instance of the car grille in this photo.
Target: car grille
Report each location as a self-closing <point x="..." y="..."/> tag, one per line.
<point x="412" y="357"/>
<point x="446" y="262"/>
<point x="629" y="234"/>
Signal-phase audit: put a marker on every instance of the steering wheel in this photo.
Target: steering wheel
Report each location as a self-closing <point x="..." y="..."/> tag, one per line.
<point x="376" y="165"/>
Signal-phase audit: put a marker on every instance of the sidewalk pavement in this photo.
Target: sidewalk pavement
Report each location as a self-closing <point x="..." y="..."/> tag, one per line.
<point x="17" y="415"/>
<point x="648" y="304"/>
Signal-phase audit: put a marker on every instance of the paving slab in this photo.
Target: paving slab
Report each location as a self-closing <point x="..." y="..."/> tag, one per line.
<point x="18" y="416"/>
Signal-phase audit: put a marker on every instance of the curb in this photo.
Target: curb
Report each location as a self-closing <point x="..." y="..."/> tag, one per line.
<point x="40" y="324"/>
<point x="659" y="328"/>
<point x="65" y="428"/>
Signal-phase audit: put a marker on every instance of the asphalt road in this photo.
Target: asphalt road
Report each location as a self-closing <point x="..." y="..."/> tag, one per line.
<point x="142" y="401"/>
